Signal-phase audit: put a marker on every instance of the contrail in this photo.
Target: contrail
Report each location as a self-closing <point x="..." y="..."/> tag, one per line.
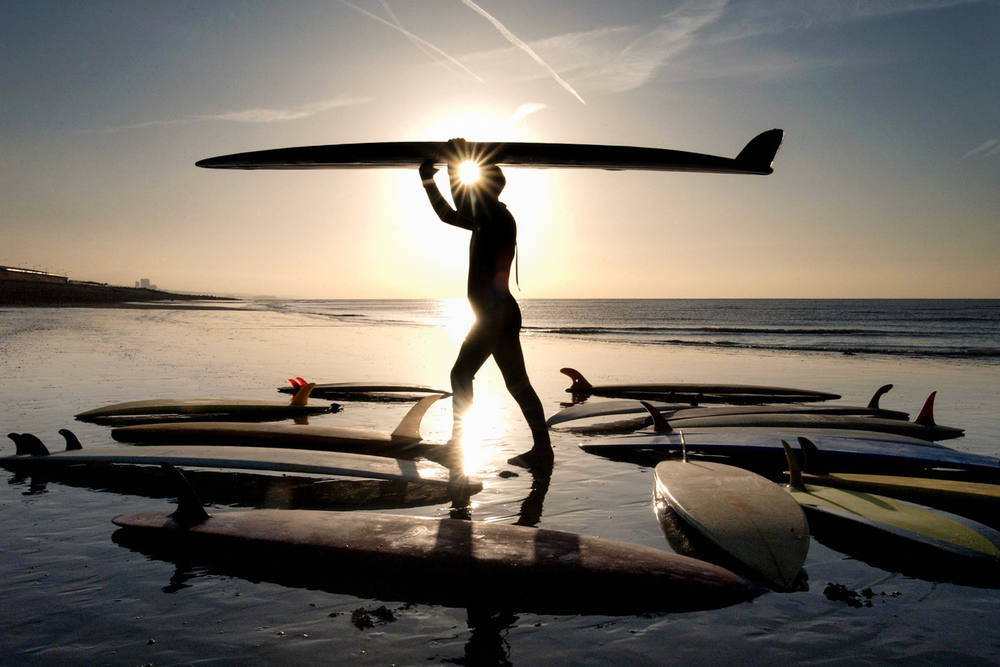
<point x="413" y="38"/>
<point x="519" y="44"/>
<point x="427" y="52"/>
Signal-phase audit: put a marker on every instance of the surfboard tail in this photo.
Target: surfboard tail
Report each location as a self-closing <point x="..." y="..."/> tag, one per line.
<point x="758" y="155"/>
<point x="580" y="384"/>
<point x="409" y="429"/>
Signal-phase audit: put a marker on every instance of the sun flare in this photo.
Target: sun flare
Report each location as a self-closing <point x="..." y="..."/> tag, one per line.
<point x="468" y="172"/>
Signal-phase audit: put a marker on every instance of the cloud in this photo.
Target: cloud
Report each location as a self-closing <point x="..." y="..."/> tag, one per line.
<point x="523" y="111"/>
<point x="249" y="115"/>
<point x="611" y="59"/>
<point x="993" y="144"/>
<point x="620" y="58"/>
<point x="757" y="18"/>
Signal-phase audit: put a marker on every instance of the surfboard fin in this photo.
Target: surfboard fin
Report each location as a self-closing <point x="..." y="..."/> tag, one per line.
<point x="409" y="429"/>
<point x="301" y="396"/>
<point x="72" y="442"/>
<point x="660" y="423"/>
<point x="794" y="473"/>
<point x="30" y="444"/>
<point x="19" y="447"/>
<point x="812" y="462"/>
<point x="873" y="404"/>
<point x="189" y="510"/>
<point x="580" y="384"/>
<point x="758" y="155"/>
<point x="926" y="416"/>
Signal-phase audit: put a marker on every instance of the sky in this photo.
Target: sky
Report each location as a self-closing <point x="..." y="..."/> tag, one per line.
<point x="887" y="183"/>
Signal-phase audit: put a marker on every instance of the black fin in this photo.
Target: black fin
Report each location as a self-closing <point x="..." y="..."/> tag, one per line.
<point x="873" y="404"/>
<point x="72" y="442"/>
<point x="812" y="462"/>
<point x="189" y="510"/>
<point x="33" y="446"/>
<point x="16" y="437"/>
<point x="660" y="423"/>
<point x="758" y="155"/>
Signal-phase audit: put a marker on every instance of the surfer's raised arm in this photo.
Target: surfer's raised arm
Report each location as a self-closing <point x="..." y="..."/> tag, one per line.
<point x="441" y="206"/>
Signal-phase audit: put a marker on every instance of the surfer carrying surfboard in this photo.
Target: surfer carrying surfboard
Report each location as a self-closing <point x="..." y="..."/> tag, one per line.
<point x="496" y="331"/>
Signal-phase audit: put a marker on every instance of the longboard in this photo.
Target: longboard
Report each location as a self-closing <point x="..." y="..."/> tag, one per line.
<point x="748" y="517"/>
<point x="844" y="450"/>
<point x="363" y="390"/>
<point x="403" y="442"/>
<point x="297" y="407"/>
<point x="702" y="393"/>
<point x="756" y="158"/>
<point x="441" y="561"/>
<point x="973" y="500"/>
<point x="674" y="411"/>
<point x="809" y="422"/>
<point x="30" y="459"/>
<point x="946" y="541"/>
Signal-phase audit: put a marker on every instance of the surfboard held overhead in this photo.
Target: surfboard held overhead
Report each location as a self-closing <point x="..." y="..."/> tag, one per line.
<point x="756" y="158"/>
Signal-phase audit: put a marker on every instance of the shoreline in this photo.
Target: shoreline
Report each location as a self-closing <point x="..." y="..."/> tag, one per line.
<point x="38" y="294"/>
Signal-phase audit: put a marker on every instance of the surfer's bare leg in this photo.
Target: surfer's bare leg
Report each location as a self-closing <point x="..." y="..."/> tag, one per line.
<point x="510" y="359"/>
<point x="476" y="349"/>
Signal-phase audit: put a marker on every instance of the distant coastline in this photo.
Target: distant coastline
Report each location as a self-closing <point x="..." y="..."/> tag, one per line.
<point x="24" y="288"/>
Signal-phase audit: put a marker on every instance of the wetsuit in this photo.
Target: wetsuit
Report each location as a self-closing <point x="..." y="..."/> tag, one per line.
<point x="498" y="319"/>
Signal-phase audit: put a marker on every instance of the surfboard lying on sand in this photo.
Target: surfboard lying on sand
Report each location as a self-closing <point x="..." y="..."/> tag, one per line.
<point x="746" y="516"/>
<point x="248" y="409"/>
<point x="905" y="531"/>
<point x="362" y="390"/>
<point x="625" y="406"/>
<point x="32" y="455"/>
<point x="844" y="451"/>
<point x="404" y="442"/>
<point x="695" y="393"/>
<point x="442" y="561"/>
<point x="974" y="500"/>
<point x="923" y="429"/>
<point x="755" y="158"/>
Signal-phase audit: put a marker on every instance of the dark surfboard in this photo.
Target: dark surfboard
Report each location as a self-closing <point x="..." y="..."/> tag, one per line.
<point x="843" y="451"/>
<point x="445" y="561"/>
<point x="755" y="158"/>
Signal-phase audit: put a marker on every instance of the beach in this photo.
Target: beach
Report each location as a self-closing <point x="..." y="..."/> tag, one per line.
<point x="73" y="595"/>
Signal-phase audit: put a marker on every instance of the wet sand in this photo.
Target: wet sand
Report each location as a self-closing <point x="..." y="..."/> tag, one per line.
<point x="71" y="594"/>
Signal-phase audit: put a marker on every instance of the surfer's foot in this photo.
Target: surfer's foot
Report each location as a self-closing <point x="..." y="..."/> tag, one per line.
<point x="535" y="458"/>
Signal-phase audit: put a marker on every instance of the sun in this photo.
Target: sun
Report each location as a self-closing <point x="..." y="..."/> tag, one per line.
<point x="468" y="172"/>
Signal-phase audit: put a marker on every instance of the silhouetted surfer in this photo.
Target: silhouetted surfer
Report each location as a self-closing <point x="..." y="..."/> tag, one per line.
<point x="497" y="327"/>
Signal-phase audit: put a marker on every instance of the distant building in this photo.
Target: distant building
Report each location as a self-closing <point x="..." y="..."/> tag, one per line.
<point x="145" y="284"/>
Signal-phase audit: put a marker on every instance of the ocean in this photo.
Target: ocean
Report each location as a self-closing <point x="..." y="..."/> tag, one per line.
<point x="953" y="328"/>
<point x="72" y="595"/>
